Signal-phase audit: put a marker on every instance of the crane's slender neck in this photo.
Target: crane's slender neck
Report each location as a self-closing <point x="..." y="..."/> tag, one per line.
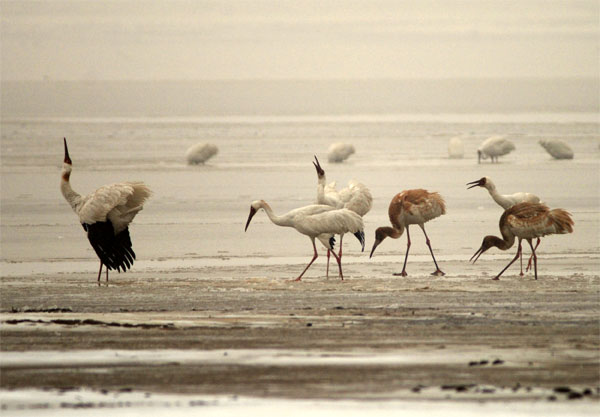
<point x="278" y="220"/>
<point x="72" y="197"/>
<point x="321" y="189"/>
<point x="498" y="198"/>
<point x="503" y="244"/>
<point x="392" y="232"/>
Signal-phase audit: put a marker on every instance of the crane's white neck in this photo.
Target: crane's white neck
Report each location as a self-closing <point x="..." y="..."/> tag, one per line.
<point x="498" y="198"/>
<point x="72" y="197"/>
<point x="278" y="220"/>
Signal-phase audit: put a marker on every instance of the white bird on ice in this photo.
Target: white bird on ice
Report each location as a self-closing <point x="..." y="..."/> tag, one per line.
<point x="200" y="153"/>
<point x="456" y="149"/>
<point x="559" y="149"/>
<point x="317" y="221"/>
<point x="339" y="152"/>
<point x="355" y="197"/>
<point x="494" y="147"/>
<point x="507" y="201"/>
<point x="105" y="215"/>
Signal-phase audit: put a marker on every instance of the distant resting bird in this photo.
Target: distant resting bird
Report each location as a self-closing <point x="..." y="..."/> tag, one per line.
<point x="559" y="149"/>
<point x="494" y="147"/>
<point x="411" y="207"/>
<point x="456" y="149"/>
<point x="526" y="221"/>
<point x="507" y="201"/>
<point x="105" y="215"/>
<point x="339" y="152"/>
<point x="200" y="153"/>
<point x="355" y="197"/>
<point x="316" y="221"/>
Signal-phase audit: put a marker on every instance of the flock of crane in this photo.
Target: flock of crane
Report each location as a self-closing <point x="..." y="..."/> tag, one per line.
<point x="106" y="214"/>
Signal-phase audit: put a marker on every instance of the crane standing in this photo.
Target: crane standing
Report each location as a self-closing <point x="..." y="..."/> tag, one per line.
<point x="355" y="197"/>
<point x="411" y="207"/>
<point x="317" y="221"/>
<point x="526" y="221"/>
<point x="506" y="201"/>
<point x="105" y="215"/>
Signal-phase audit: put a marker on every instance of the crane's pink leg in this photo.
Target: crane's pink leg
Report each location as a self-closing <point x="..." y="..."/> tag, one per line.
<point x="534" y="256"/>
<point x="529" y="263"/>
<point x="328" y="255"/>
<point x="339" y="261"/>
<point x="497" y="277"/>
<point x="316" y="255"/>
<point x="403" y="273"/>
<point x="521" y="258"/>
<point x="438" y="272"/>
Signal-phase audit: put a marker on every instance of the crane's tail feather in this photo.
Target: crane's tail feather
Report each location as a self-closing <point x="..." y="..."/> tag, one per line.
<point x="115" y="251"/>
<point x="332" y="242"/>
<point x="360" y="235"/>
<point x="563" y="222"/>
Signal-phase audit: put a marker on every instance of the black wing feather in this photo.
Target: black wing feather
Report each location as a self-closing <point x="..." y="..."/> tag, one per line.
<point x="114" y="251"/>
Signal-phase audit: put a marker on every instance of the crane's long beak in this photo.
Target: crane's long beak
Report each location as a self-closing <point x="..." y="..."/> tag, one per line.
<point x="317" y="165"/>
<point x="252" y="213"/>
<point x="477" y="254"/>
<point x="67" y="159"/>
<point x="477" y="183"/>
<point x="377" y="242"/>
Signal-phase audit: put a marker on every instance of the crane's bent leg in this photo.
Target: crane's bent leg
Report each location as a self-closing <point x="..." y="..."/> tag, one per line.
<point x="403" y="273"/>
<point x="531" y="257"/>
<point x="339" y="261"/>
<point x="534" y="256"/>
<point x="315" y="256"/>
<point x="100" y="272"/>
<point x="438" y="272"/>
<point x="497" y="277"/>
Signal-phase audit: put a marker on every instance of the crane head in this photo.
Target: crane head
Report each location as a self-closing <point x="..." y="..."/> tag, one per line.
<point x="317" y="165"/>
<point x="379" y="236"/>
<point x="479" y="183"/>
<point x="254" y="207"/>
<point x="487" y="243"/>
<point x="67" y="159"/>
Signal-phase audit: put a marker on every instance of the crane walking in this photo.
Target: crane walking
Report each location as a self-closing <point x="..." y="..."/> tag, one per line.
<point x="356" y="197"/>
<point x="105" y="215"/>
<point x="507" y="201"/>
<point x="317" y="221"/>
<point x="411" y="207"/>
<point x="526" y="221"/>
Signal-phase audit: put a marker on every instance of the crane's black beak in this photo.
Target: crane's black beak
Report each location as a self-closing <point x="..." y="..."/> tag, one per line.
<point x="377" y="242"/>
<point x="317" y="165"/>
<point x="477" y="254"/>
<point x="478" y="183"/>
<point x="67" y="159"/>
<point x="252" y="213"/>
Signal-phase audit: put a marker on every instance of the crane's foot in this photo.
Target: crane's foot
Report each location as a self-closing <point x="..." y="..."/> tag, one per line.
<point x="401" y="274"/>
<point x="496" y="278"/>
<point x="297" y="279"/>
<point x="438" y="273"/>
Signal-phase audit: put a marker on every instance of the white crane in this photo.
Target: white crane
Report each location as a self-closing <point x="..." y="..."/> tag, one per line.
<point x="200" y="153"/>
<point x="105" y="215"/>
<point x="559" y="149"/>
<point x="411" y="207"/>
<point x="526" y="221"/>
<point x="456" y="149"/>
<point x="339" y="152"/>
<point x="494" y="147"/>
<point x="507" y="201"/>
<point x="355" y="197"/>
<point x="317" y="221"/>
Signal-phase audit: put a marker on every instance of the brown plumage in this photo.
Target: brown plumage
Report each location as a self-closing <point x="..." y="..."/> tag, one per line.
<point x="526" y="221"/>
<point x="411" y="207"/>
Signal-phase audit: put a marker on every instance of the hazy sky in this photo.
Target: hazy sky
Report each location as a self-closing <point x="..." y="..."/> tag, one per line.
<point x="129" y="39"/>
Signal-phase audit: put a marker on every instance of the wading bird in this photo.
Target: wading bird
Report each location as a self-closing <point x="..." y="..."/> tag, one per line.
<point x="526" y="221"/>
<point x="105" y="216"/>
<point x="200" y="153"/>
<point x="559" y="149"/>
<point x="355" y="197"/>
<point x="507" y="201"/>
<point x="411" y="207"/>
<point x="456" y="149"/>
<point x="317" y="221"/>
<point x="493" y="148"/>
<point x="339" y="152"/>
